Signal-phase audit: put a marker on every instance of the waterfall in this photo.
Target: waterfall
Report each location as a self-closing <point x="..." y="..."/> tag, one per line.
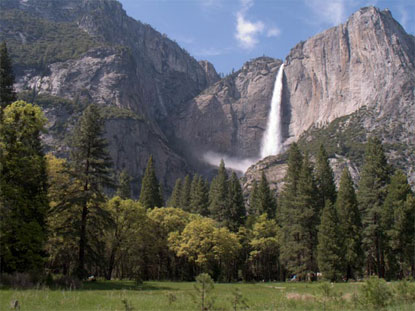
<point x="272" y="140"/>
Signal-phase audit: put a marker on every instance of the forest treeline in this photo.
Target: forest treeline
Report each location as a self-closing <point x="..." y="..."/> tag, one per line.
<point x="57" y="216"/>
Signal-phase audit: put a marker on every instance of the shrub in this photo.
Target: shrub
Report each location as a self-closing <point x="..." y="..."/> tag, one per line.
<point x="17" y="280"/>
<point x="404" y="291"/>
<point x="375" y="293"/>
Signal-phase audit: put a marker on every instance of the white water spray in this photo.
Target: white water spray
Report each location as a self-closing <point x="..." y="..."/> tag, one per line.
<point x="272" y="140"/>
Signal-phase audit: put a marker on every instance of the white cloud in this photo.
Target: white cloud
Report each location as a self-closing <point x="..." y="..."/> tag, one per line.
<point x="273" y="32"/>
<point x="328" y="12"/>
<point x="247" y="31"/>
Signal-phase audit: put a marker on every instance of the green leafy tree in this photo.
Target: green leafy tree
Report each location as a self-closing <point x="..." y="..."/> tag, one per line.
<point x="325" y="178"/>
<point x="199" y="197"/>
<point x="150" y="195"/>
<point x="174" y="200"/>
<point x="398" y="223"/>
<point x="185" y="194"/>
<point x="371" y="196"/>
<point x="91" y="165"/>
<point x="264" y="246"/>
<point x="7" y="94"/>
<point x="237" y="211"/>
<point x="23" y="188"/>
<point x="219" y="195"/>
<point x="330" y="244"/>
<point x="350" y="225"/>
<point x="124" y="185"/>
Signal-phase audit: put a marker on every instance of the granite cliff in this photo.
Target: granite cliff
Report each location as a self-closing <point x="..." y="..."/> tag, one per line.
<point x="339" y="87"/>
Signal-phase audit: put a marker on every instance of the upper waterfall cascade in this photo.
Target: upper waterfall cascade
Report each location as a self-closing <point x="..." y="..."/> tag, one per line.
<point x="272" y="140"/>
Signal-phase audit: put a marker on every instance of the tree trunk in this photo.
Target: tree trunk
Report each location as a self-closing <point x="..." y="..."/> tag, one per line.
<point x="82" y="243"/>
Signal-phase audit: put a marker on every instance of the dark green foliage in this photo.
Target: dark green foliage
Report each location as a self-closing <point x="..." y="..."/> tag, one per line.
<point x="150" y="195"/>
<point x="185" y="194"/>
<point x="91" y="164"/>
<point x="124" y="185"/>
<point x="45" y="41"/>
<point x="350" y="225"/>
<point x="23" y="188"/>
<point x="219" y="195"/>
<point x="199" y="196"/>
<point x="7" y="94"/>
<point x="267" y="202"/>
<point x="371" y="195"/>
<point x="325" y="178"/>
<point x="330" y="244"/>
<point x="398" y="224"/>
<point x="254" y="201"/>
<point x="237" y="211"/>
<point x="299" y="217"/>
<point x="174" y="200"/>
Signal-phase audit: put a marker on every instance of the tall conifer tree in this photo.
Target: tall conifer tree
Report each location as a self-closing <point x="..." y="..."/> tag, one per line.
<point x="350" y="225"/>
<point x="174" y="200"/>
<point x="237" y="211"/>
<point x="219" y="195"/>
<point x="91" y="165"/>
<point x="150" y="195"/>
<point x="266" y="203"/>
<point x="185" y="194"/>
<point x="330" y="244"/>
<point x="398" y="225"/>
<point x="199" y="199"/>
<point x="371" y="195"/>
<point x="254" y="200"/>
<point x="325" y="178"/>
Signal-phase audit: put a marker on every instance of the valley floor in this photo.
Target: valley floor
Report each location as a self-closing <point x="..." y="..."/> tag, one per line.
<point x="109" y="295"/>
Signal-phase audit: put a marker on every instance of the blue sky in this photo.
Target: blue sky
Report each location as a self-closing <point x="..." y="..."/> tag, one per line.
<point x="230" y="32"/>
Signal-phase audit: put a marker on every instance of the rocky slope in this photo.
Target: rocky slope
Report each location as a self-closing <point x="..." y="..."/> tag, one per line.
<point x="91" y="51"/>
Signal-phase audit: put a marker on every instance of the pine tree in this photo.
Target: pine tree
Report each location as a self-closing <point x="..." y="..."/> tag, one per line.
<point x="219" y="195"/>
<point x="174" y="200"/>
<point x="7" y="94"/>
<point x="371" y="195"/>
<point x="23" y="188"/>
<point x="396" y="223"/>
<point x="325" y="178"/>
<point x="150" y="195"/>
<point x="330" y="244"/>
<point x="199" y="198"/>
<point x="299" y="217"/>
<point x="91" y="165"/>
<point x="266" y="202"/>
<point x="237" y="211"/>
<point x="254" y="200"/>
<point x="185" y="194"/>
<point x="124" y="185"/>
<point x="350" y="225"/>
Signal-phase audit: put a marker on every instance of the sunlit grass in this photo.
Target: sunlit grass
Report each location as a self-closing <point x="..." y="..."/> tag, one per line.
<point x="108" y="295"/>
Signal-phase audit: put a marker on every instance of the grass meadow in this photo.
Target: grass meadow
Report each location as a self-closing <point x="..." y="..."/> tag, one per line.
<point x="109" y="295"/>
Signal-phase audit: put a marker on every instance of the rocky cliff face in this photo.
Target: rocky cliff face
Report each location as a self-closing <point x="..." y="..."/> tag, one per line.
<point x="368" y="61"/>
<point x="118" y="62"/>
<point x="230" y="116"/>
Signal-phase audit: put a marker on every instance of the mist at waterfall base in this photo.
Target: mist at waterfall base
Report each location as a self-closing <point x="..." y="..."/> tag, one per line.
<point x="272" y="140"/>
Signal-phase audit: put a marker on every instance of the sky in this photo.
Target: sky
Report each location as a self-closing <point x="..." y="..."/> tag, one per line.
<point x="230" y="32"/>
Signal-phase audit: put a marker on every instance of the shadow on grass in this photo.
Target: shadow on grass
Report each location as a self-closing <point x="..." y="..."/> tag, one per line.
<point x="121" y="285"/>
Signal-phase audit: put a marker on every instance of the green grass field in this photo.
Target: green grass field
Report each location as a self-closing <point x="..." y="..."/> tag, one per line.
<point x="108" y="295"/>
